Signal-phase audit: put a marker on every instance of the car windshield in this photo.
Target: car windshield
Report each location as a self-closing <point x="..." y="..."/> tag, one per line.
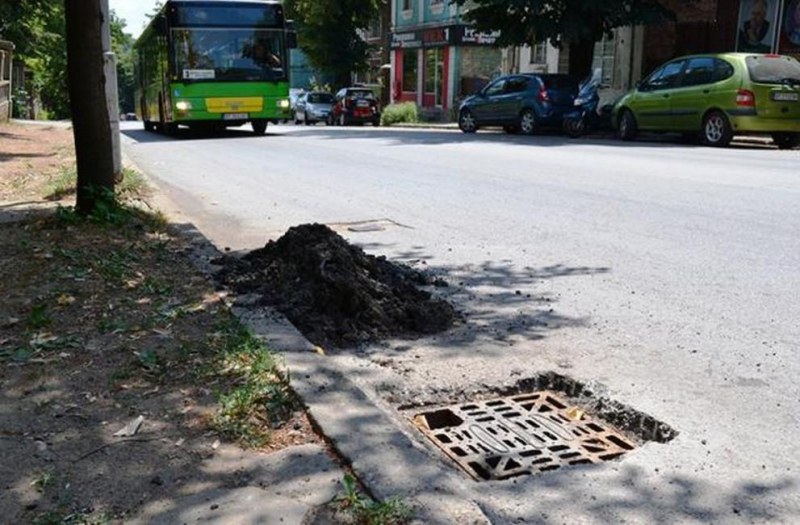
<point x="228" y="54"/>
<point x="320" y="98"/>
<point x="360" y="93"/>
<point x="773" y="69"/>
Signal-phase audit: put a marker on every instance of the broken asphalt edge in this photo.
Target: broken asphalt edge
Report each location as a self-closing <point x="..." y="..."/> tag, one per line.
<point x="387" y="461"/>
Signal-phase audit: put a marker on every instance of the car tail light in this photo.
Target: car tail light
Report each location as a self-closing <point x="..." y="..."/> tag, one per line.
<point x="745" y="98"/>
<point x="544" y="96"/>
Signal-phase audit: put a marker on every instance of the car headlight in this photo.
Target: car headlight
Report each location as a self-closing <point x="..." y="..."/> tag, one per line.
<point x="183" y="105"/>
<point x="284" y="103"/>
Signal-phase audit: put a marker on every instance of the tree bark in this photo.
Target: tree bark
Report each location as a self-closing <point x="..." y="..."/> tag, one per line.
<point x="90" y="120"/>
<point x="581" y="56"/>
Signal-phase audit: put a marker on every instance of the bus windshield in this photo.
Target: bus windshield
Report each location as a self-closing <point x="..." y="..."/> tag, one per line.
<point x="229" y="54"/>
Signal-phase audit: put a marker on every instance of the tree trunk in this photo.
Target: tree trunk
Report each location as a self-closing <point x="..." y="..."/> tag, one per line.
<point x="90" y="120"/>
<point x="581" y="55"/>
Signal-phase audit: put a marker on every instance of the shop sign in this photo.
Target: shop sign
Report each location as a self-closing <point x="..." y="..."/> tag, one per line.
<point x="443" y="36"/>
<point x="408" y="40"/>
<point x="471" y="36"/>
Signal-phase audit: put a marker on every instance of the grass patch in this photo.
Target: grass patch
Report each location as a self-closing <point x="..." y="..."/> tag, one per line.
<point x="403" y="113"/>
<point x="260" y="398"/>
<point x="363" y="510"/>
<point x="132" y="186"/>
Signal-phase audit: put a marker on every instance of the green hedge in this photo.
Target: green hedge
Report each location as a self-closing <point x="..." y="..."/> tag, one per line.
<point x="405" y="112"/>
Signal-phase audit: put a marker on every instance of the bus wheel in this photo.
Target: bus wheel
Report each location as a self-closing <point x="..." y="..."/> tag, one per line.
<point x="149" y="126"/>
<point x="259" y="126"/>
<point x="169" y="128"/>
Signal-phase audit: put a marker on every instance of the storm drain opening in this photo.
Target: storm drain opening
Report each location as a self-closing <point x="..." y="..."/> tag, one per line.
<point x="521" y="434"/>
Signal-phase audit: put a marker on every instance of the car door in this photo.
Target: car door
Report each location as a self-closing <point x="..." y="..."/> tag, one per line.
<point x="652" y="105"/>
<point x="509" y="104"/>
<point x="690" y="98"/>
<point x="486" y="105"/>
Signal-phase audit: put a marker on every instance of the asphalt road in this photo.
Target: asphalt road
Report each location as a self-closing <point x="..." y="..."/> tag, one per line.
<point x="664" y="274"/>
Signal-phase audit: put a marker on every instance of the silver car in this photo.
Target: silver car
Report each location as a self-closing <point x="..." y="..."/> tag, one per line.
<point x="313" y="107"/>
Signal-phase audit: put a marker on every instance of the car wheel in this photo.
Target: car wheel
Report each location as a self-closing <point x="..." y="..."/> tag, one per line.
<point x="376" y="122"/>
<point x="786" y="140"/>
<point x="575" y="127"/>
<point x="628" y="129"/>
<point x="466" y="122"/>
<point x="717" y="130"/>
<point x="305" y="119"/>
<point x="527" y="122"/>
<point x="511" y="130"/>
<point x="259" y="126"/>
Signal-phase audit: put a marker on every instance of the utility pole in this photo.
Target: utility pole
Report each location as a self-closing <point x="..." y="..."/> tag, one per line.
<point x="112" y="89"/>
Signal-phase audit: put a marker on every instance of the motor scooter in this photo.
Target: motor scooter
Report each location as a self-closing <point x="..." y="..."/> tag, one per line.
<point x="588" y="114"/>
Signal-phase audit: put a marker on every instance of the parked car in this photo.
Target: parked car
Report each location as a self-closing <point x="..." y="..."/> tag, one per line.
<point x="313" y="107"/>
<point x="294" y="96"/>
<point x="717" y="96"/>
<point x="519" y="103"/>
<point x="355" y="105"/>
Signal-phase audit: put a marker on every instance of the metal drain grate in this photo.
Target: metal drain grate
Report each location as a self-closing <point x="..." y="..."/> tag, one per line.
<point x="521" y="434"/>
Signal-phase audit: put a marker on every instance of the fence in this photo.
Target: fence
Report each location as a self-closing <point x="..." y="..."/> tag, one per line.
<point x="6" y="59"/>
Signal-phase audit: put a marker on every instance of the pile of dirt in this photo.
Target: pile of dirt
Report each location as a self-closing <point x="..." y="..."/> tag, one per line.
<point x="335" y="293"/>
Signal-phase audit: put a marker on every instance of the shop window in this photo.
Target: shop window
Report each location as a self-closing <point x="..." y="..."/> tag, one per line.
<point x="434" y="71"/>
<point x="410" y="68"/>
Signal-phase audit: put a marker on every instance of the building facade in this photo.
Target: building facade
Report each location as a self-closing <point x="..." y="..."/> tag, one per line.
<point x="436" y="59"/>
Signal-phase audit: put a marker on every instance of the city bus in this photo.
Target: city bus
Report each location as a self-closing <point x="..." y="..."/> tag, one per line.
<point x="214" y="63"/>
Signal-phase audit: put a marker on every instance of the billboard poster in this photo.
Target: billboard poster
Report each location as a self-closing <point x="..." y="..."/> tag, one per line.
<point x="758" y="21"/>
<point x="789" y="31"/>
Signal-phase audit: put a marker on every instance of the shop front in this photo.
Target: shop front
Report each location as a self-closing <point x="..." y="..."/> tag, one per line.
<point x="435" y="66"/>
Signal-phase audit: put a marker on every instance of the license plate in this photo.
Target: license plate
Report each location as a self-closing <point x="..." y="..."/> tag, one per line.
<point x="235" y="116"/>
<point x="782" y="96"/>
<point x="362" y="103"/>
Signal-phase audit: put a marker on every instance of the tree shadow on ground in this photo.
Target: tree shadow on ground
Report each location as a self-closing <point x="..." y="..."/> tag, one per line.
<point x="631" y="495"/>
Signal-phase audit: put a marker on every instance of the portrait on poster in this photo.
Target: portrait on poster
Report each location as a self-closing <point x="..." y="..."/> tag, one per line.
<point x="790" y="29"/>
<point x="758" y="20"/>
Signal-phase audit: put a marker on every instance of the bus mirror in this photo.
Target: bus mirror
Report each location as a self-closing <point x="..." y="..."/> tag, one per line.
<point x="291" y="40"/>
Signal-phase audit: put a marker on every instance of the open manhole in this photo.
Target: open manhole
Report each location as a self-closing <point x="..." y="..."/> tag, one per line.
<point x="520" y="434"/>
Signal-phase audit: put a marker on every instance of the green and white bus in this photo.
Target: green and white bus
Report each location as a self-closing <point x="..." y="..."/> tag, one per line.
<point x="214" y="63"/>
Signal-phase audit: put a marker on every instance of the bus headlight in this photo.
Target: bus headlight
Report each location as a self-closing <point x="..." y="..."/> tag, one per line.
<point x="183" y="105"/>
<point x="283" y="103"/>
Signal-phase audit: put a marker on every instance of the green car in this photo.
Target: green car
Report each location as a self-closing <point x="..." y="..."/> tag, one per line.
<point x="717" y="96"/>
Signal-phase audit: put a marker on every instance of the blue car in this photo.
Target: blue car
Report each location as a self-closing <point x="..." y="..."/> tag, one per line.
<point x="519" y="103"/>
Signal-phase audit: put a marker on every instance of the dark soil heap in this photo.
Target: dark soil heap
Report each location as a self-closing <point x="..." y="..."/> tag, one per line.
<point x="335" y="293"/>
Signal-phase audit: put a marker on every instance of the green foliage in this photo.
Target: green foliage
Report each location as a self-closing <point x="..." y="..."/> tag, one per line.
<point x="366" y="511"/>
<point x="261" y="397"/>
<point x="404" y="112"/>
<point x="107" y="209"/>
<point x="526" y="21"/>
<point x="38" y="30"/>
<point x="38" y="317"/>
<point x="328" y="33"/>
<point x="122" y="46"/>
<point x="579" y="23"/>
